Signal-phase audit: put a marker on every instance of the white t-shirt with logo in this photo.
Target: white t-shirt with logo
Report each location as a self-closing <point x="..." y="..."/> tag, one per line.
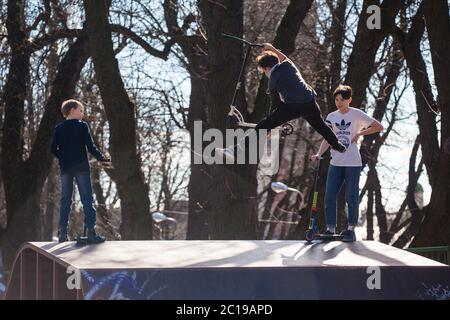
<point x="346" y="126"/>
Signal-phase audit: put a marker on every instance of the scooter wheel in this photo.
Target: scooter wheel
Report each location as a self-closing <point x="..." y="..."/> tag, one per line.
<point x="232" y="122"/>
<point x="309" y="235"/>
<point x="287" y="129"/>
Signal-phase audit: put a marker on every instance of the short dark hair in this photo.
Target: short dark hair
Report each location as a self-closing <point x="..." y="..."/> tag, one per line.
<point x="69" y="105"/>
<point x="267" y="59"/>
<point x="345" y="91"/>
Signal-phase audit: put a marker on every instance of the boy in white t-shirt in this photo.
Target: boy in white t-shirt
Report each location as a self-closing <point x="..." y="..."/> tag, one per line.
<point x="348" y="124"/>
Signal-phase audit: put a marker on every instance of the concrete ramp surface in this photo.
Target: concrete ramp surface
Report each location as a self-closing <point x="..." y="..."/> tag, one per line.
<point x="225" y="270"/>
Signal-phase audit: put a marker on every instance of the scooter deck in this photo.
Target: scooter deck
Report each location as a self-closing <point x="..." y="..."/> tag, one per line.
<point x="81" y="241"/>
<point x="323" y="237"/>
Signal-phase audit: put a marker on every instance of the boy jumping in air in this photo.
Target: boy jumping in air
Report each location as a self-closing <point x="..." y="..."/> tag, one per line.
<point x="291" y="98"/>
<point x="70" y="140"/>
<point x="348" y="124"/>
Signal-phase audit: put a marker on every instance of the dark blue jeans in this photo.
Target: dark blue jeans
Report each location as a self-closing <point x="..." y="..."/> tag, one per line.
<point x="335" y="179"/>
<point x="310" y="111"/>
<point x="83" y="180"/>
<point x="283" y="113"/>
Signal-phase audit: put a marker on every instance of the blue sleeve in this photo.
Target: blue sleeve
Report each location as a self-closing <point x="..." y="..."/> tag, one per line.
<point x="275" y="100"/>
<point x="92" y="148"/>
<point x="328" y="122"/>
<point x="55" y="142"/>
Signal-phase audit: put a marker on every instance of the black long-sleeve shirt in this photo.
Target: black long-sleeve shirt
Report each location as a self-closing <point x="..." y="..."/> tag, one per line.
<point x="286" y="84"/>
<point x="70" y="140"/>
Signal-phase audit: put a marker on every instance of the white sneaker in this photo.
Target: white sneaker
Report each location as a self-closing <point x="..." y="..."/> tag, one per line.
<point x="227" y="153"/>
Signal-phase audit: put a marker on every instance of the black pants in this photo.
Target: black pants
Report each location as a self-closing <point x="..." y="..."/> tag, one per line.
<point x="309" y="111"/>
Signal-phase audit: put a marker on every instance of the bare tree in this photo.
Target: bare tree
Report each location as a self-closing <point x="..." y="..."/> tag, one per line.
<point x="23" y="178"/>
<point x="122" y="123"/>
<point x="435" y="227"/>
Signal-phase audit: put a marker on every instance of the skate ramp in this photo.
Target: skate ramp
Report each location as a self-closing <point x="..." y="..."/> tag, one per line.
<point x="224" y="270"/>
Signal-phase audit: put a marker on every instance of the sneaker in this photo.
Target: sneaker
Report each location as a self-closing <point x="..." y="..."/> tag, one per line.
<point x="227" y="153"/>
<point x="348" y="236"/>
<point x="92" y="237"/>
<point x="62" y="235"/>
<point x="340" y="147"/>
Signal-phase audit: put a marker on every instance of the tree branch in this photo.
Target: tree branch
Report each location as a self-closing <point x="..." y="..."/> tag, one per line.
<point x="416" y="212"/>
<point x="49" y="38"/>
<point x="128" y="33"/>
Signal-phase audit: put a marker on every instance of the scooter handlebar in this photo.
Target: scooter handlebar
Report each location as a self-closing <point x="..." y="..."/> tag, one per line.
<point x="245" y="41"/>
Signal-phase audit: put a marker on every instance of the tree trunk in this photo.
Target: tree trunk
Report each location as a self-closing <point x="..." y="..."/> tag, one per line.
<point x="411" y="46"/>
<point x="337" y="33"/>
<point x="371" y="145"/>
<point x="270" y="198"/>
<point x="232" y="195"/>
<point x="416" y="213"/>
<point x="366" y="44"/>
<point x="194" y="48"/>
<point x="132" y="190"/>
<point x="46" y="224"/>
<point x="200" y="179"/>
<point x="12" y="149"/>
<point x="369" y="213"/>
<point x="379" y="209"/>
<point x="435" y="228"/>
<point x="51" y="197"/>
<point x="23" y="180"/>
<point x="102" y="210"/>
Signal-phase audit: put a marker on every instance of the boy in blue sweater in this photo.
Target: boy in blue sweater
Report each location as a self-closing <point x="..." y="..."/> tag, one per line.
<point x="70" y="140"/>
